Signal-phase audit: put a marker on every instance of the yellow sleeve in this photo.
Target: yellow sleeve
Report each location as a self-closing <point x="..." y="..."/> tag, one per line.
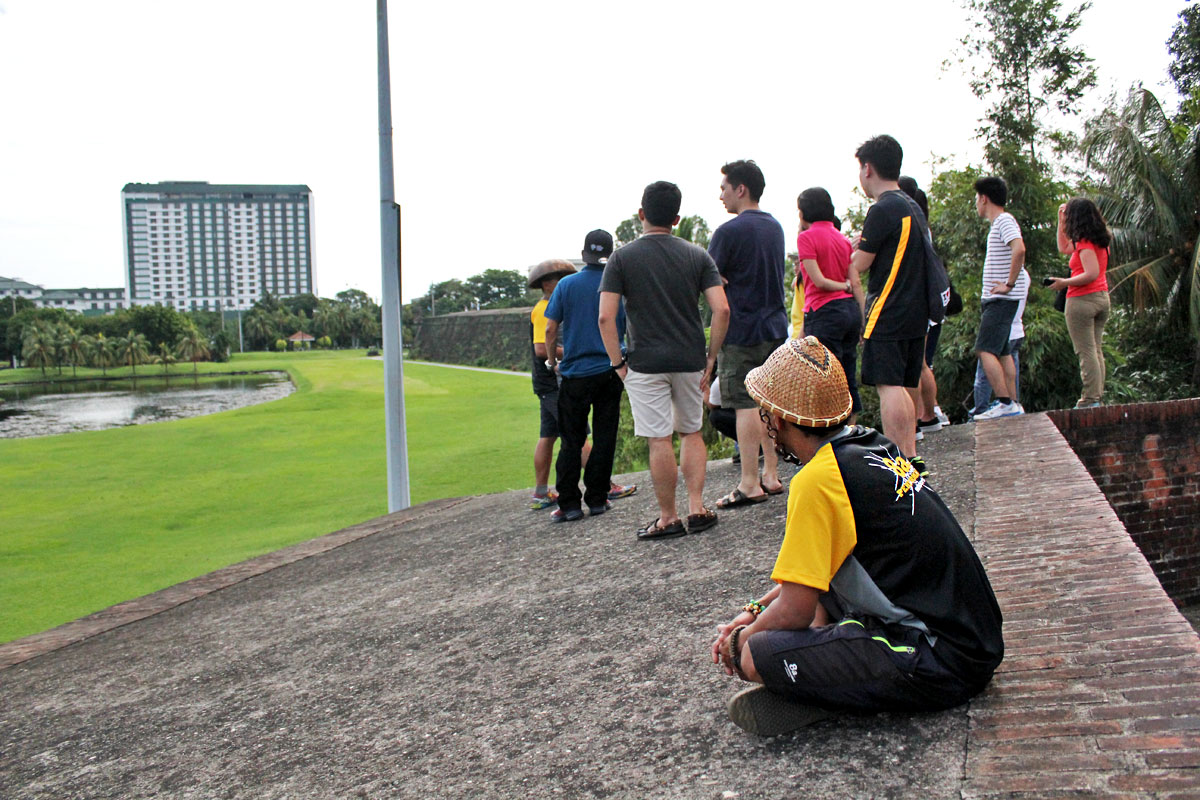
<point x="820" y="529"/>
<point x="538" y="318"/>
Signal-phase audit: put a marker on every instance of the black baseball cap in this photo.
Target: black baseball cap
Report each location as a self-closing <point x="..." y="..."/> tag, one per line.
<point x="597" y="247"/>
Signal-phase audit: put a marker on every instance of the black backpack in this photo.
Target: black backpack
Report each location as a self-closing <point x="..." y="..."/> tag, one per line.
<point x="938" y="293"/>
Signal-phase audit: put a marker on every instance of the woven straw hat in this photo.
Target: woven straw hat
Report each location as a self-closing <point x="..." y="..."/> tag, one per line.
<point x="803" y="383"/>
<point x="555" y="267"/>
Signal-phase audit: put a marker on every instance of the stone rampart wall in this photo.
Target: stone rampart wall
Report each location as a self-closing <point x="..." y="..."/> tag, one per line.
<point x="496" y="338"/>
<point x="1146" y="460"/>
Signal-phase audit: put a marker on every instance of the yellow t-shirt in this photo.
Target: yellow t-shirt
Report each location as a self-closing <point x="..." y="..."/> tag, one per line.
<point x="798" y="310"/>
<point x="538" y="318"/>
<point x="820" y="531"/>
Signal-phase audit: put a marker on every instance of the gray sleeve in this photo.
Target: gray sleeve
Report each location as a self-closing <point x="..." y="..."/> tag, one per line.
<point x="709" y="276"/>
<point x="612" y="280"/>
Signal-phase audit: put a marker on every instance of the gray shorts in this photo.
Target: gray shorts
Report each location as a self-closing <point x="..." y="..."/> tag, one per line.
<point x="665" y="402"/>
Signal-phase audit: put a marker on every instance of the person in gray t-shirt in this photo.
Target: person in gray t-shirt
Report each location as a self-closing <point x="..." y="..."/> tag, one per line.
<point x="666" y="373"/>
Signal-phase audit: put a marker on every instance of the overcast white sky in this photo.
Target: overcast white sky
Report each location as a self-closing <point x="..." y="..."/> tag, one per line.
<point x="518" y="127"/>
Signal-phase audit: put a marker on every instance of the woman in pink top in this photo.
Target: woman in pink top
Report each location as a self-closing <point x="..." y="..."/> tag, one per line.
<point x="1083" y="234"/>
<point x="831" y="312"/>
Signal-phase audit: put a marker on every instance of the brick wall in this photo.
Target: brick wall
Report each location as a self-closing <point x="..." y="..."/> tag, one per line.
<point x="495" y="338"/>
<point x="1146" y="460"/>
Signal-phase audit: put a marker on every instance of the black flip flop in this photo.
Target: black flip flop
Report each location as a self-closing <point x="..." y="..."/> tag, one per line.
<point x="740" y="499"/>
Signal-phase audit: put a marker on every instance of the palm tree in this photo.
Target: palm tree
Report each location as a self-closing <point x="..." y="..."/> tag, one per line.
<point x="37" y="347"/>
<point x="102" y="353"/>
<point x="75" y="347"/>
<point x="165" y="356"/>
<point x="192" y="346"/>
<point x="259" y="327"/>
<point x="132" y="350"/>
<point x="1150" y="195"/>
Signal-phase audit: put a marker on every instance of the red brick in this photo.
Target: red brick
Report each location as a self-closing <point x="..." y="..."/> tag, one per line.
<point x="1094" y="728"/>
<point x="1155" y="781"/>
<point x="1174" y="760"/>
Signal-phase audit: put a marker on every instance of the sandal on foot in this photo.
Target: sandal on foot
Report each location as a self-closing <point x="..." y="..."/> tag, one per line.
<point x="702" y="521"/>
<point x="654" y="531"/>
<point x="772" y="491"/>
<point x="736" y="498"/>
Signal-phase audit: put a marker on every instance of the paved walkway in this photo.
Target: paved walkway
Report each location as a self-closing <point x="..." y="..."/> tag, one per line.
<point x="470" y="648"/>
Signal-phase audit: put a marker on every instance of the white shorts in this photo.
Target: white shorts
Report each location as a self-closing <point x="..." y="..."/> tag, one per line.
<point x="665" y="402"/>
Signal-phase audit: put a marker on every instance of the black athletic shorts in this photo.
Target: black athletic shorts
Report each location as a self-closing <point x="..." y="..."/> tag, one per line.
<point x="893" y="363"/>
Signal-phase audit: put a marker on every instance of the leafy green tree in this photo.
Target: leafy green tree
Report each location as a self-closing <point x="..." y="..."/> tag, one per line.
<point x="38" y="347"/>
<point x="132" y="349"/>
<point x="219" y="345"/>
<point x="157" y="323"/>
<point x="355" y="298"/>
<point x="192" y="346"/>
<point x="496" y="288"/>
<point x="1147" y="174"/>
<point x="301" y="305"/>
<point x="75" y="347"/>
<point x="694" y="228"/>
<point x="9" y="308"/>
<point x="1184" y="47"/>
<point x="1019" y="58"/>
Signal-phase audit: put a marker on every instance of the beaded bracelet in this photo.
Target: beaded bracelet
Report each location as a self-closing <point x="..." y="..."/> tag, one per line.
<point x="735" y="652"/>
<point x="754" y="607"/>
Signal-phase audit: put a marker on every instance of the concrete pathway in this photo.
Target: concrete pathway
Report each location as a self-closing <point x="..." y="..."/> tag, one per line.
<point x="461" y="649"/>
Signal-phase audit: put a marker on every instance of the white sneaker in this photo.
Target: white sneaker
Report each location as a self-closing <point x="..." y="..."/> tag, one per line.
<point x="941" y="415"/>
<point x="999" y="410"/>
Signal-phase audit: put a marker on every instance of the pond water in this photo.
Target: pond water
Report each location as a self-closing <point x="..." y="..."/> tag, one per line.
<point x="45" y="408"/>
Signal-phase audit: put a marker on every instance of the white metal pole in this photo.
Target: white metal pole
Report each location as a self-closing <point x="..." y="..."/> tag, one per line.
<point x="389" y="219"/>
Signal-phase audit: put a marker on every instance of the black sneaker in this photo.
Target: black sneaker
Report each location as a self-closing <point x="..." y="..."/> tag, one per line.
<point x="929" y="425"/>
<point x="920" y="466"/>
<point x="572" y="515"/>
<point x="760" y="711"/>
<point x="596" y="511"/>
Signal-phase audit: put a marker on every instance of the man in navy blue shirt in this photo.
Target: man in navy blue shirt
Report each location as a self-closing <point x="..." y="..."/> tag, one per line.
<point x="749" y="252"/>
<point x="589" y="383"/>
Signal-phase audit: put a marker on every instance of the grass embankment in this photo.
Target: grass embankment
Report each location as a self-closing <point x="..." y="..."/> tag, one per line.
<point x="91" y="519"/>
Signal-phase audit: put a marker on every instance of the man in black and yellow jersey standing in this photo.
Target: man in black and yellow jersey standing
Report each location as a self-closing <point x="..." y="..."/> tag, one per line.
<point x="896" y="309"/>
<point x="880" y="603"/>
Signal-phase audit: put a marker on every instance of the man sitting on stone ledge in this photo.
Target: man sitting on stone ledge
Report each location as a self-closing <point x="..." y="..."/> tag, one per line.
<point x="881" y="603"/>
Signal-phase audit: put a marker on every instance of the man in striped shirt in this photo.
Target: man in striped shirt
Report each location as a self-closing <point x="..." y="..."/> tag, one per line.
<point x="1005" y="284"/>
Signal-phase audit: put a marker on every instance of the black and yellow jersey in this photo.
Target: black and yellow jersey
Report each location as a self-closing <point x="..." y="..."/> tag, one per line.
<point x="863" y="525"/>
<point x="897" y="306"/>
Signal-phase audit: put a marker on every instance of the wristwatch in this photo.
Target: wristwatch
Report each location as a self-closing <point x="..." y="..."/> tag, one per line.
<point x="624" y="360"/>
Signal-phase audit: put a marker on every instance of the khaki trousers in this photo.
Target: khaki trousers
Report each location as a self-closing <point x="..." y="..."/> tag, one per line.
<point x="1086" y="315"/>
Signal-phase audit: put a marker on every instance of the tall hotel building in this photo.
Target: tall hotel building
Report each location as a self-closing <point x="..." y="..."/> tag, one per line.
<point x="194" y="245"/>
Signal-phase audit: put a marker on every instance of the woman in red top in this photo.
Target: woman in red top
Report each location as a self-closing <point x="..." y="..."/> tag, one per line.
<point x="831" y="311"/>
<point x="1083" y="234"/>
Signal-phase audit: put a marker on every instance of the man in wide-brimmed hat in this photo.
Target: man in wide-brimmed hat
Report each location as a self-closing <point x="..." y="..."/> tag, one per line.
<point x="881" y="603"/>
<point x="544" y="276"/>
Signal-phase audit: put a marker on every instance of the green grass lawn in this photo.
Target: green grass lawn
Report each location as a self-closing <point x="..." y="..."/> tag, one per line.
<point x="90" y="519"/>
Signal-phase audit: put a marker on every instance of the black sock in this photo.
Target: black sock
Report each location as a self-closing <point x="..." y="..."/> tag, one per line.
<point x="1005" y="400"/>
